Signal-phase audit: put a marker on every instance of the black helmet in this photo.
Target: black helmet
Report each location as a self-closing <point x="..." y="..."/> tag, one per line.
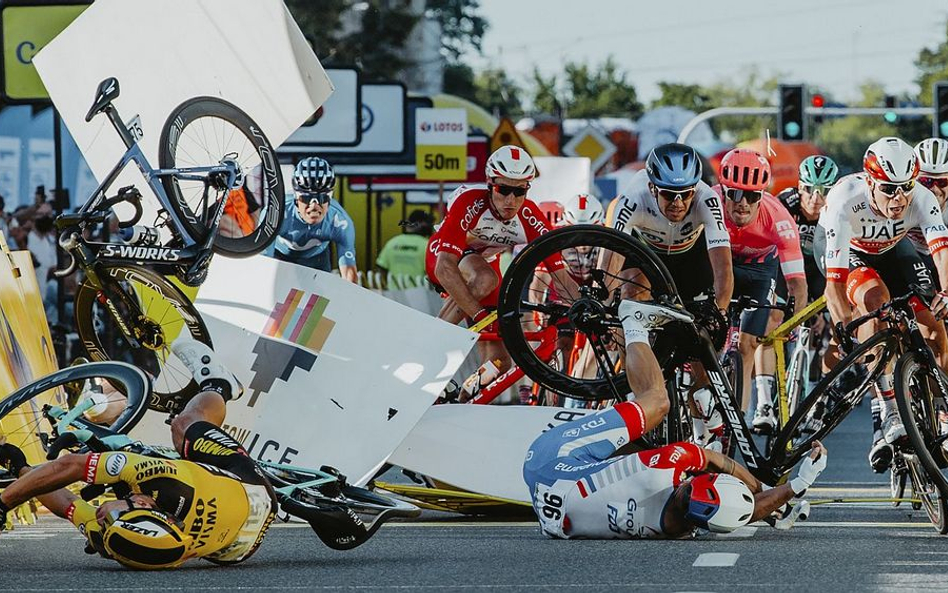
<point x="314" y="174"/>
<point x="673" y="166"/>
<point x="419" y="222"/>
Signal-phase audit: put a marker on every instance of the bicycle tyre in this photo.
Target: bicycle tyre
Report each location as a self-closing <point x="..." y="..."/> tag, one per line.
<point x="516" y="283"/>
<point x="921" y="426"/>
<point x="796" y="378"/>
<point x="840" y="406"/>
<point x="732" y="363"/>
<point x="132" y="382"/>
<point x="259" y="158"/>
<point x="172" y="391"/>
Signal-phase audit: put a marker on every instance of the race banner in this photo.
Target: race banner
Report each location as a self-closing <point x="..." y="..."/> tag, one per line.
<point x="333" y="373"/>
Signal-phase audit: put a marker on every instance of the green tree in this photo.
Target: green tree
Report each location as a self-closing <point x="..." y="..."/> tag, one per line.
<point x="497" y="93"/>
<point x="690" y="96"/>
<point x="587" y="91"/>
<point x="845" y="138"/>
<point x="459" y="80"/>
<point x="461" y="27"/>
<point x="932" y="67"/>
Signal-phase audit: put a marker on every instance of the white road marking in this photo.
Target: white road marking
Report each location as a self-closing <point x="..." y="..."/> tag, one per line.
<point x="740" y="532"/>
<point x="710" y="559"/>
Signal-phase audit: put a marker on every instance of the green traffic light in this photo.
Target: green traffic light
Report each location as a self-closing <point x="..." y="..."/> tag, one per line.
<point x="891" y="117"/>
<point x="943" y="128"/>
<point x="792" y="129"/>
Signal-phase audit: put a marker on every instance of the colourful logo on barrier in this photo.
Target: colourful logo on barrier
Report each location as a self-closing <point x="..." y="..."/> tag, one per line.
<point x="300" y="320"/>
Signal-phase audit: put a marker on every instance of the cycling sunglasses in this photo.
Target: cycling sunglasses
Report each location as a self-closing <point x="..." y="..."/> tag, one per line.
<point x="890" y="189"/>
<point x="736" y="195"/>
<point x="933" y="182"/>
<point x="319" y="197"/>
<point x="670" y="195"/>
<point x="812" y="189"/>
<point x="506" y="190"/>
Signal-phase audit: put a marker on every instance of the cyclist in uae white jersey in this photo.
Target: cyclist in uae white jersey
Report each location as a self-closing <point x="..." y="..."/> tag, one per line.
<point x="932" y="155"/>
<point x="868" y="261"/>
<point x="584" y="486"/>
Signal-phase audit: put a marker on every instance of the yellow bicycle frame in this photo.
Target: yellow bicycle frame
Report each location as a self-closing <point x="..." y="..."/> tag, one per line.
<point x="778" y="338"/>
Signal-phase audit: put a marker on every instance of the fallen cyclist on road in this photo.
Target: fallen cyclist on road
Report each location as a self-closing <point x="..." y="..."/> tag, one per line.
<point x="582" y="487"/>
<point x="214" y="503"/>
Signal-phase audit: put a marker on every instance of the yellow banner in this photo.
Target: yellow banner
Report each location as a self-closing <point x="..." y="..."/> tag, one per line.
<point x="441" y="163"/>
<point x="26" y="30"/>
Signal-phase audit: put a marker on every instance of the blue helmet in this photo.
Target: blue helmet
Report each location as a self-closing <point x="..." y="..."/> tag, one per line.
<point x="673" y="166"/>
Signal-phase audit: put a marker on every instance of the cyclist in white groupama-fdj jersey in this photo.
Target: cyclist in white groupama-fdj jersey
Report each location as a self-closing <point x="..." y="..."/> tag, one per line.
<point x="868" y="261"/>
<point x="680" y="218"/>
<point x="583" y="484"/>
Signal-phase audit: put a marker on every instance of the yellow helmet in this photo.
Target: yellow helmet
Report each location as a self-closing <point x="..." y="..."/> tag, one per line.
<point x="147" y="539"/>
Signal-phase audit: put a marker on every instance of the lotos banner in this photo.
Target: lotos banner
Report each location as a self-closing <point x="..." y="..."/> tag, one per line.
<point x="333" y="373"/>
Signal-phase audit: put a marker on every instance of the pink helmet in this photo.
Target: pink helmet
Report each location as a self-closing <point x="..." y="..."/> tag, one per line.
<point x="745" y="169"/>
<point x="891" y="160"/>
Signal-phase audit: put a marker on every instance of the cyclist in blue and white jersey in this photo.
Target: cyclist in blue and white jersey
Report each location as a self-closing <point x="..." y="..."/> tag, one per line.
<point x="313" y="220"/>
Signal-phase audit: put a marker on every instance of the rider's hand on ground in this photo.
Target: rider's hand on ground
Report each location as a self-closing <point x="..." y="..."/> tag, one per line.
<point x="810" y="469"/>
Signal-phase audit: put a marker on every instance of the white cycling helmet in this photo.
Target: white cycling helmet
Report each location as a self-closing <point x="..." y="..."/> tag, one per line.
<point x="890" y="160"/>
<point x="933" y="156"/>
<point x="583" y="209"/>
<point x="719" y="503"/>
<point x="511" y="162"/>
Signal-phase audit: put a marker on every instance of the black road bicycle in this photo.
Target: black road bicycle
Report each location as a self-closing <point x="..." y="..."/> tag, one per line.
<point x="54" y="413"/>
<point x="215" y="165"/>
<point x="628" y="270"/>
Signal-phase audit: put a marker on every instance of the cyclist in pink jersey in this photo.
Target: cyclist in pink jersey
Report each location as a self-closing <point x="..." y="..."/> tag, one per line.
<point x="762" y="234"/>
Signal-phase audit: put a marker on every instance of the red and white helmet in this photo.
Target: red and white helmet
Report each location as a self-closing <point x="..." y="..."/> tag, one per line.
<point x="891" y="160"/>
<point x="745" y="169"/>
<point x="511" y="162"/>
<point x="719" y="503"/>
<point x="583" y="209"/>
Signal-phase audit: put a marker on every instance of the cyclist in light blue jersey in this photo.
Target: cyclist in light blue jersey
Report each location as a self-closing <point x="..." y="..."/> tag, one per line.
<point x="313" y="220"/>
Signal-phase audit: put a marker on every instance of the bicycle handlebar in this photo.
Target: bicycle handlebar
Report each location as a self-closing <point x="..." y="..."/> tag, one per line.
<point x="923" y="293"/>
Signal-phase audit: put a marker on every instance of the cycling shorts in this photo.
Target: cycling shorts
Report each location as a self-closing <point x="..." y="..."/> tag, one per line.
<point x="691" y="270"/>
<point x="208" y="444"/>
<point x="758" y="281"/>
<point x="490" y="301"/>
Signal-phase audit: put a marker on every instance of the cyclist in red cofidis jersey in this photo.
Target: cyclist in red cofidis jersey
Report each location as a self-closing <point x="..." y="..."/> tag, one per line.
<point x="482" y="222"/>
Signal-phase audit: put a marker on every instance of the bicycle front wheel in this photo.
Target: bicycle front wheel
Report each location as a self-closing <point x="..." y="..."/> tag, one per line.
<point x="141" y="303"/>
<point x="921" y="399"/>
<point x="608" y="266"/>
<point x="119" y="399"/>
<point x="206" y="132"/>
<point x="834" y="397"/>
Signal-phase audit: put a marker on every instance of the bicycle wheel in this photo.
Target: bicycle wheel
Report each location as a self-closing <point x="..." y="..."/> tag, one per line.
<point x="920" y="398"/>
<point x="204" y="132"/>
<point x="733" y="366"/>
<point x="343" y="516"/>
<point x="608" y="266"/>
<point x="150" y="308"/>
<point x="118" y="390"/>
<point x="834" y="397"/>
<point x="796" y="377"/>
<point x="898" y="475"/>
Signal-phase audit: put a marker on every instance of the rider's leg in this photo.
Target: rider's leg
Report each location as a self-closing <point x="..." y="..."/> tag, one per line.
<point x="747" y="346"/>
<point x="765" y="365"/>
<point x="481" y="279"/>
<point x="647" y="383"/>
<point x="218" y="386"/>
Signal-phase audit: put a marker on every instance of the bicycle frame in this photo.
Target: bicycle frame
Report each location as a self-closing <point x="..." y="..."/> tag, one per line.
<point x="545" y="352"/>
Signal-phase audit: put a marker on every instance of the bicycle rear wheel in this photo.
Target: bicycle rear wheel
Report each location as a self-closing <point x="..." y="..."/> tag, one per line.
<point x="608" y="266"/>
<point x="152" y="309"/>
<point x="204" y="132"/>
<point x="118" y="391"/>
<point x="920" y="399"/>
<point x="834" y="397"/>
<point x="797" y="371"/>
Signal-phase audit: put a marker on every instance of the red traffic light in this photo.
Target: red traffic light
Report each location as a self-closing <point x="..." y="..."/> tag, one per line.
<point x="817" y="100"/>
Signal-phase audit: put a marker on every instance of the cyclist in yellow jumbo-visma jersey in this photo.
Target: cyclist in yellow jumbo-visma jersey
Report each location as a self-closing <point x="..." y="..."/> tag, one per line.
<point x="213" y="504"/>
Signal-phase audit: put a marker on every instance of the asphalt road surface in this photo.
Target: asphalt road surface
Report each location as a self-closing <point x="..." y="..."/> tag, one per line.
<point x="842" y="547"/>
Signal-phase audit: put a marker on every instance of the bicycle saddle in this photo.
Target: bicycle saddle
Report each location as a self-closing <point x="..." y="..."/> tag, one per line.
<point x="107" y="92"/>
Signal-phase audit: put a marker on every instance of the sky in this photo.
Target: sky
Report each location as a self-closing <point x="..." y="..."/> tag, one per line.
<point x="831" y="44"/>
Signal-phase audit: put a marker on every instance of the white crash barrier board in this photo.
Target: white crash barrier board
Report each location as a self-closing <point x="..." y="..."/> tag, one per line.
<point x="248" y="52"/>
<point x="333" y="373"/>
<point x="478" y="448"/>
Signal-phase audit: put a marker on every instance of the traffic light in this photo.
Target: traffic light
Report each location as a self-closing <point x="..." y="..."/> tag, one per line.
<point x="890" y="116"/>
<point x="941" y="110"/>
<point x="790" y="119"/>
<point x="819" y="101"/>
